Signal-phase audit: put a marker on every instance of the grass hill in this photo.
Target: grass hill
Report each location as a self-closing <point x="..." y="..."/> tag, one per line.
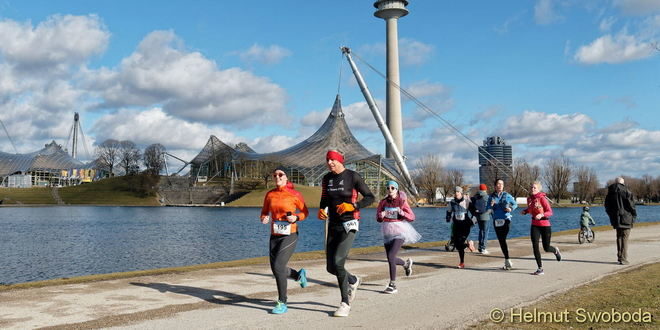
<point x="132" y="190"/>
<point x="37" y="195"/>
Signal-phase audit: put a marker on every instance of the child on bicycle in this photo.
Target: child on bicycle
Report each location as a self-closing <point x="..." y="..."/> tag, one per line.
<point x="585" y="219"/>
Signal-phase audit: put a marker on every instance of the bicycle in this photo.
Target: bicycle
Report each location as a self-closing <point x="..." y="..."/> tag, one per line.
<point x="586" y="234"/>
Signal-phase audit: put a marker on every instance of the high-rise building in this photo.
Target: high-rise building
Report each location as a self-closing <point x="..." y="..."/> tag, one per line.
<point x="495" y="159"/>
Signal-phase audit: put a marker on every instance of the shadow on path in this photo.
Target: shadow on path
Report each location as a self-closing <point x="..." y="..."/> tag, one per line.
<point x="229" y="298"/>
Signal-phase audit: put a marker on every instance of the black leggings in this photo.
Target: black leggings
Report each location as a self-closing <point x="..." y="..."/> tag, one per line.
<point x="392" y="249"/>
<point x="544" y="233"/>
<point x="336" y="251"/>
<point x="281" y="249"/>
<point x="501" y="233"/>
<point x="461" y="233"/>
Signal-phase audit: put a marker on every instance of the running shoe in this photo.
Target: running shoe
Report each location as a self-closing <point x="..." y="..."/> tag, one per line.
<point x="302" y="277"/>
<point x="343" y="310"/>
<point x="460" y="266"/>
<point x="352" y="289"/>
<point x="557" y="254"/>
<point x="484" y="251"/>
<point x="508" y="265"/>
<point x="391" y="289"/>
<point x="408" y="267"/>
<point x="624" y="262"/>
<point x="280" y="308"/>
<point x="538" y="272"/>
<point x="471" y="246"/>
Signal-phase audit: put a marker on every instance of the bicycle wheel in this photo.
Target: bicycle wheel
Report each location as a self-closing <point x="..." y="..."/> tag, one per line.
<point x="581" y="237"/>
<point x="591" y="236"/>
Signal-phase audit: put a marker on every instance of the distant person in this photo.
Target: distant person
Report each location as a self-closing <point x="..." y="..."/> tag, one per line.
<point x="395" y="216"/>
<point x="501" y="204"/>
<point x="539" y="207"/>
<point x="585" y="219"/>
<point x="620" y="207"/>
<point x="340" y="188"/>
<point x="286" y="207"/>
<point x="479" y="204"/>
<point x="457" y="214"/>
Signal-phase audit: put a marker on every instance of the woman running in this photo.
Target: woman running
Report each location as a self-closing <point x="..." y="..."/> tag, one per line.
<point x="539" y="208"/>
<point x="340" y="188"/>
<point x="501" y="204"/>
<point x="395" y="215"/>
<point x="285" y="206"/>
<point x="457" y="214"/>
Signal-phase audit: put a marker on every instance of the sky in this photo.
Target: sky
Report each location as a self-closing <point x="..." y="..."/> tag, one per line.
<point x="578" y="78"/>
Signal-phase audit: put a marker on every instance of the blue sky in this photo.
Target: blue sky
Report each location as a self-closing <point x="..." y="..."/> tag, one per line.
<point x="578" y="78"/>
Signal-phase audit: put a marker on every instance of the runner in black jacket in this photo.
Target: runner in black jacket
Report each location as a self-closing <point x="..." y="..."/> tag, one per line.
<point x="339" y="194"/>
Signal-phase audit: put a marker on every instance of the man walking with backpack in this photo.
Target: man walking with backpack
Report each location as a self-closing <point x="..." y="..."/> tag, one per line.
<point x="480" y="210"/>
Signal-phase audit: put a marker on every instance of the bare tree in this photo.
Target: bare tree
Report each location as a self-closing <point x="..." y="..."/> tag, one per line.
<point x="557" y="175"/>
<point x="450" y="179"/>
<point x="523" y="176"/>
<point x="129" y="157"/>
<point x="428" y="176"/>
<point x="587" y="184"/>
<point x="107" y="154"/>
<point x="153" y="158"/>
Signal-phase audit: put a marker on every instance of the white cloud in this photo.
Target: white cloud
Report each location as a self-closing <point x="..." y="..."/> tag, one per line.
<point x="268" y="55"/>
<point x="540" y="128"/>
<point x="638" y="7"/>
<point x="485" y="116"/>
<point x="53" y="45"/>
<point x="273" y="143"/>
<point x="145" y="127"/>
<point x="413" y="52"/>
<point x="607" y="23"/>
<point x="614" y="49"/>
<point x="545" y="13"/>
<point x="188" y="85"/>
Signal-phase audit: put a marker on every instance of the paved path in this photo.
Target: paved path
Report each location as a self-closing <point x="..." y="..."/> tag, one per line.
<point x="436" y="296"/>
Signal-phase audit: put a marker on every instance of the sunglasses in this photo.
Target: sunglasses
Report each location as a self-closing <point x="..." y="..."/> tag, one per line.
<point x="276" y="175"/>
<point x="391" y="188"/>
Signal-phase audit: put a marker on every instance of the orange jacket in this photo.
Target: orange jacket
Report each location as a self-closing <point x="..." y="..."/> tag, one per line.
<point x="281" y="200"/>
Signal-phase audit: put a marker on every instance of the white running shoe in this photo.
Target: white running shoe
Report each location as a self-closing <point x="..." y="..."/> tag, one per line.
<point x="391" y="289"/>
<point x="508" y="265"/>
<point x="343" y="310"/>
<point x="484" y="251"/>
<point x="352" y="289"/>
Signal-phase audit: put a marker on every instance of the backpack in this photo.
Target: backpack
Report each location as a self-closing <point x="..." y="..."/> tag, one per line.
<point x="480" y="204"/>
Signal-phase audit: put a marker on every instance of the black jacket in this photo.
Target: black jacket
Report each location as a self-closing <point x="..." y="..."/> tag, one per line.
<point x="620" y="206"/>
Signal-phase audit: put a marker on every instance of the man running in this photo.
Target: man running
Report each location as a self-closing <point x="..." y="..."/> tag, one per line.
<point x="340" y="188"/>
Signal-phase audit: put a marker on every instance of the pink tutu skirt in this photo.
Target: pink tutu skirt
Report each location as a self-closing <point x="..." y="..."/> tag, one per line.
<point x="400" y="230"/>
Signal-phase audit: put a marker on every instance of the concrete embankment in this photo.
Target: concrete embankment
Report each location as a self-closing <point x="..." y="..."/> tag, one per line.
<point x="436" y="296"/>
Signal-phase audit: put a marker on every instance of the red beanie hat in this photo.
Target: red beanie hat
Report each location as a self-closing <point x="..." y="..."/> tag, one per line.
<point x="483" y="187"/>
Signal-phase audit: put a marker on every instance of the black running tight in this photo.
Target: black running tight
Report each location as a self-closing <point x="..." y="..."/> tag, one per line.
<point x="544" y="233"/>
<point x="501" y="233"/>
<point x="281" y="249"/>
<point x="336" y="251"/>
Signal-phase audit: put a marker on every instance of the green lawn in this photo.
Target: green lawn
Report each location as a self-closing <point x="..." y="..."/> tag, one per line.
<point x="37" y="195"/>
<point x="134" y="190"/>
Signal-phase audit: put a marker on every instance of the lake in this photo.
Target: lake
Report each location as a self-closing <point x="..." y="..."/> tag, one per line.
<point x="39" y="243"/>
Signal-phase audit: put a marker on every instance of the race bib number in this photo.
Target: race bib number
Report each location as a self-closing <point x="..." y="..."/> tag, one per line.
<point x="391" y="212"/>
<point x="351" y="225"/>
<point x="281" y="228"/>
<point x="459" y="216"/>
<point x="500" y="222"/>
